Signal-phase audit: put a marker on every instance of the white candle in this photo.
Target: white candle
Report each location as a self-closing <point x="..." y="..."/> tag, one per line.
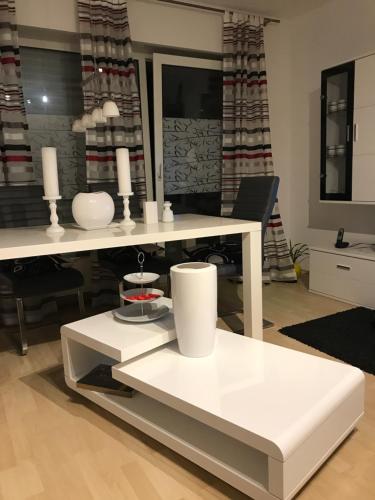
<point x="50" y="176"/>
<point x="123" y="171"/>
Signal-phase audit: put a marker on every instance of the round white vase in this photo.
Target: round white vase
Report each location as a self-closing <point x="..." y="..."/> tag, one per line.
<point x="194" y="295"/>
<point x="93" y="210"/>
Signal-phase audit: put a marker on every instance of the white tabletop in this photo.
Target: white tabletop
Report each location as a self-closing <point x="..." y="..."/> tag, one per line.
<point x="363" y="251"/>
<point x="264" y="395"/>
<point x="122" y="340"/>
<point x="33" y="241"/>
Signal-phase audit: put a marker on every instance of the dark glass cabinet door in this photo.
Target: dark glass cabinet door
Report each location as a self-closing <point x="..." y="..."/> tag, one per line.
<point x="337" y="132"/>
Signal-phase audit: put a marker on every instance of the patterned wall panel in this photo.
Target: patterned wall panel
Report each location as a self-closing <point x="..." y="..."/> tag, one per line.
<point x="192" y="155"/>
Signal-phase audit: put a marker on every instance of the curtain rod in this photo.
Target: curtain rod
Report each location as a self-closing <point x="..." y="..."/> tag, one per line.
<point x="267" y="20"/>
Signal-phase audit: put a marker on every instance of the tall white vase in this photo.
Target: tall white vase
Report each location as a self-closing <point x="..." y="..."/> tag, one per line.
<point x="194" y="295"/>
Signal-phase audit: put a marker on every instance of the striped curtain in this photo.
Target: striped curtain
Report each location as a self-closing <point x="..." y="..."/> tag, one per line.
<point x="107" y="53"/>
<point x="246" y="129"/>
<point x="16" y="168"/>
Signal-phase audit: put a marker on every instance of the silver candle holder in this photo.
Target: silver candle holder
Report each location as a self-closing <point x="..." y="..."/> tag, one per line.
<point x="127" y="221"/>
<point x="55" y="227"/>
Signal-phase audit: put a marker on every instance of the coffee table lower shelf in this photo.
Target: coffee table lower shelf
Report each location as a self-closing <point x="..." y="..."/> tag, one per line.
<point x="235" y="463"/>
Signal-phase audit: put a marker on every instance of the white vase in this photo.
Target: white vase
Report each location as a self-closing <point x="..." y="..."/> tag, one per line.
<point x="194" y="295"/>
<point x="93" y="210"/>
<point x="167" y="212"/>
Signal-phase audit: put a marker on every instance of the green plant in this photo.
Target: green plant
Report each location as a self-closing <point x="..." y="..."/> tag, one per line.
<point x="298" y="251"/>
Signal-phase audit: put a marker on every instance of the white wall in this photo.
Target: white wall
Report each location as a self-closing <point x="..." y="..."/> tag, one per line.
<point x="49" y="14"/>
<point x="277" y="48"/>
<point x="173" y="26"/>
<point x="339" y="31"/>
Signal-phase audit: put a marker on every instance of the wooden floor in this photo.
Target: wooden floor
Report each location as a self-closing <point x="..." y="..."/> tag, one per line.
<point x="56" y="445"/>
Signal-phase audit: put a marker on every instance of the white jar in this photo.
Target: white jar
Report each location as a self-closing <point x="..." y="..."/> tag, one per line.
<point x="93" y="210"/>
<point x="194" y="296"/>
<point x="167" y="212"/>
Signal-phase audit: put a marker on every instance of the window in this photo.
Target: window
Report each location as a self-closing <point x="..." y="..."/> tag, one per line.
<point x="53" y="98"/>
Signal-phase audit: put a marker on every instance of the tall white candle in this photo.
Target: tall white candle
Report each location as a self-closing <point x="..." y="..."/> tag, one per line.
<point x="50" y="176"/>
<point x="123" y="171"/>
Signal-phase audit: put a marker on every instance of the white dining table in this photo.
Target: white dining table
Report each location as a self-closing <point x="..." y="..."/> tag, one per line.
<point x="34" y="241"/>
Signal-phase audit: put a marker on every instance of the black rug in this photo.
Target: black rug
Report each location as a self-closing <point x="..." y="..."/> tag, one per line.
<point x="348" y="335"/>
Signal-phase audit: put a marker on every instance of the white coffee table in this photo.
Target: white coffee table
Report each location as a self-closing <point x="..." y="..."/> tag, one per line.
<point x="261" y="417"/>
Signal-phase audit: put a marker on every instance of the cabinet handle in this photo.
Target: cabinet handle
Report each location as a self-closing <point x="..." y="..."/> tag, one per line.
<point x="160" y="171"/>
<point x="344" y="268"/>
<point x="348" y="133"/>
<point x="355" y="132"/>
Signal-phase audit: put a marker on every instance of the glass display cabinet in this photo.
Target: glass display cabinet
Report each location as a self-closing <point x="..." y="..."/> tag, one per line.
<point x="337" y="103"/>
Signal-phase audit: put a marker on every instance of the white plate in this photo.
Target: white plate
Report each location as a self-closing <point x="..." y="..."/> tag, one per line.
<point x="140" y="313"/>
<point x="137" y="279"/>
<point x="136" y="291"/>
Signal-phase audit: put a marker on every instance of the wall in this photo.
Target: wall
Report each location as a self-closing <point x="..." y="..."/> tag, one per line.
<point x="173" y="26"/>
<point x="58" y="15"/>
<point x="339" y="31"/>
<point x="277" y="47"/>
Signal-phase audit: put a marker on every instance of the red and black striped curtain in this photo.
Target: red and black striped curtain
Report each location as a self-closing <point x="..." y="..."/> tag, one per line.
<point x="16" y="168"/>
<point x="246" y="129"/>
<point x="108" y="72"/>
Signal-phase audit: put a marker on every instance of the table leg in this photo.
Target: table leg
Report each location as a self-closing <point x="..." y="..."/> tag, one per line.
<point x="252" y="284"/>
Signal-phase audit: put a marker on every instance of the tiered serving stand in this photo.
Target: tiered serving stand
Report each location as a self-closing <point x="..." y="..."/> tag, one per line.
<point x="144" y="306"/>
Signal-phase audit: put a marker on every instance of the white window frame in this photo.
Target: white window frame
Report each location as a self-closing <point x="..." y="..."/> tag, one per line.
<point x="143" y="94"/>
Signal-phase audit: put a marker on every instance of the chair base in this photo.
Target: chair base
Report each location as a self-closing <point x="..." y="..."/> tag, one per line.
<point x="23" y="344"/>
<point x="22" y="326"/>
<point x="236" y="325"/>
<point x="267" y="324"/>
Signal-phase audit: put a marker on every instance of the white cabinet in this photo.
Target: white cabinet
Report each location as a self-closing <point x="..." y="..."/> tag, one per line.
<point x="348" y="132"/>
<point x="364" y="94"/>
<point x="364" y="131"/>
<point x="344" y="274"/>
<point x="363" y="170"/>
<point x="363" y="180"/>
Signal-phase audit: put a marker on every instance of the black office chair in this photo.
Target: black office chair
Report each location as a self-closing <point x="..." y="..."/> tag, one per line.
<point x="19" y="207"/>
<point x="24" y="278"/>
<point x="255" y="201"/>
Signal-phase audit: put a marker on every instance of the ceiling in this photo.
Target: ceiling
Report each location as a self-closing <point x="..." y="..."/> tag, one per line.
<point x="272" y="8"/>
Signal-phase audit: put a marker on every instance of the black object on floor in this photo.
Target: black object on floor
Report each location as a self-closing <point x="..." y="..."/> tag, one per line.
<point x="347" y="335"/>
<point x="100" y="379"/>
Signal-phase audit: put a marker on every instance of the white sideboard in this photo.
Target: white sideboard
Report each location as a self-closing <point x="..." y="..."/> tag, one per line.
<point x="345" y="274"/>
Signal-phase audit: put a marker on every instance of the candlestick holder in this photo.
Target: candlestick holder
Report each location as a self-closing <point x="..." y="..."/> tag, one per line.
<point x="127" y="221"/>
<point x="54" y="228"/>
